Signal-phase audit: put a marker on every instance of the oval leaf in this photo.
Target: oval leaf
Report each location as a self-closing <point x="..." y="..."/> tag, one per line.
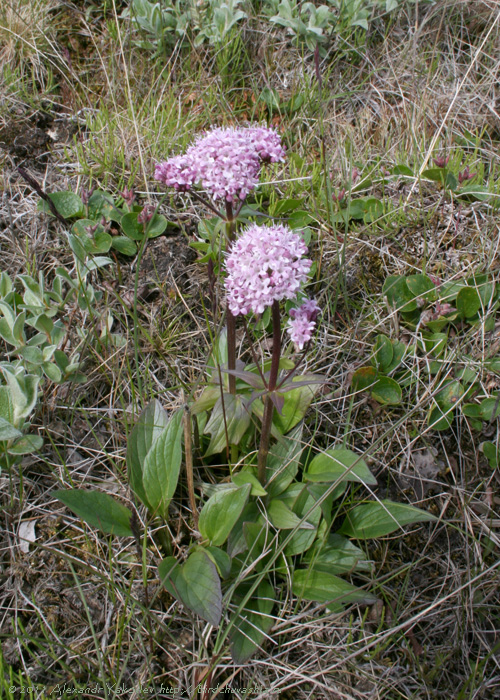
<point x="196" y="584"/>
<point x="387" y="391"/>
<point x="98" y="509"/>
<point x="337" y="464"/>
<point x="221" y="512"/>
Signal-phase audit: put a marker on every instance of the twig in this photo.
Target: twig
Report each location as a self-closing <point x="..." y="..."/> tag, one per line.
<point x="34" y="184"/>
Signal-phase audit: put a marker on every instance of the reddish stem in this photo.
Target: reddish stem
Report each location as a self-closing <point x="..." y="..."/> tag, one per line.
<point x="267" y="418"/>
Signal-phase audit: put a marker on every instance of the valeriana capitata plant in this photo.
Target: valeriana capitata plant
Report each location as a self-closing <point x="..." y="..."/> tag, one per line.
<point x="280" y="518"/>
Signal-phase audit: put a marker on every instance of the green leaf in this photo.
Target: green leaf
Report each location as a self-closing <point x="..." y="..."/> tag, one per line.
<point x="440" y="418"/>
<point x="221" y="512"/>
<point x="398" y="294"/>
<point x="299" y="499"/>
<point x="156" y="226"/>
<point x="252" y="623"/>
<point x="479" y="192"/>
<point x="435" y="343"/>
<point x="387" y="391"/>
<point x="283" y="518"/>
<point x="490" y="408"/>
<point x="6" y="406"/>
<point x="398" y="352"/>
<point x="26" y="445"/>
<point x="363" y="378"/>
<point x="296" y="403"/>
<point x="336" y="464"/>
<point x="221" y="559"/>
<point x="283" y="461"/>
<point x="337" y="555"/>
<point x="434" y="174"/>
<point x="468" y="302"/>
<point x="402" y="170"/>
<point x="324" y="587"/>
<point x="422" y="287"/>
<point x="124" y="245"/>
<point x="471" y="410"/>
<point x="248" y="477"/>
<point x="68" y="204"/>
<point x="237" y="420"/>
<point x="381" y="518"/>
<point x="131" y="227"/>
<point x="7" y="430"/>
<point x="148" y="428"/>
<point x="196" y="584"/>
<point x="382" y="353"/>
<point x="98" y="510"/>
<point x="162" y="465"/>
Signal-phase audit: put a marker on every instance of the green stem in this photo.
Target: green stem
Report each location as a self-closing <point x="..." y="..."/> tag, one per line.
<point x="267" y="418"/>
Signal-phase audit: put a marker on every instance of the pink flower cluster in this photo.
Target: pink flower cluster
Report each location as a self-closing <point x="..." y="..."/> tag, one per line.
<point x="265" y="265"/>
<point x="302" y="322"/>
<point x="225" y="161"/>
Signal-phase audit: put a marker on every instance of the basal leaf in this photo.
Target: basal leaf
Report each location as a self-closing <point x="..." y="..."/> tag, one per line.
<point x="381" y="518"/>
<point x="148" y="428"/>
<point x="337" y="464"/>
<point x="283" y="518"/>
<point x="221" y="512"/>
<point x="323" y="587"/>
<point x="387" y="391"/>
<point x="97" y="509"/>
<point x="337" y="555"/>
<point x="252" y="623"/>
<point x="162" y="466"/>
<point x="196" y="584"/>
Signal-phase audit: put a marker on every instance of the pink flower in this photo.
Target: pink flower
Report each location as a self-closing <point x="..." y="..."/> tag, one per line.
<point x="264" y="265"/>
<point x="302" y="322"/>
<point x="225" y="161"/>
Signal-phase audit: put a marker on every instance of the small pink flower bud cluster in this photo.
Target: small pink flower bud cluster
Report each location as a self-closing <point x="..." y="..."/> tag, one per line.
<point x="465" y="175"/>
<point x="302" y="322"/>
<point x="441" y="161"/>
<point x="264" y="265"/>
<point x="225" y="162"/>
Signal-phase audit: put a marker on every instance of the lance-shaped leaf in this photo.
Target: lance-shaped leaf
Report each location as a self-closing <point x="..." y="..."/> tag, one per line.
<point x="381" y="518"/>
<point x="148" y="428"/>
<point x="98" y="509"/>
<point x="162" y="465"/>
<point x="237" y="422"/>
<point x="339" y="464"/>
<point x="323" y="587"/>
<point x="252" y="623"/>
<point x="337" y="555"/>
<point x="196" y="584"/>
<point x="221" y="512"/>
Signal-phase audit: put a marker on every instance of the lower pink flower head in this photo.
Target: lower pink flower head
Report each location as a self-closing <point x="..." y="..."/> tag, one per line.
<point x="265" y="265"/>
<point x="302" y="322"/>
<point x="225" y="161"/>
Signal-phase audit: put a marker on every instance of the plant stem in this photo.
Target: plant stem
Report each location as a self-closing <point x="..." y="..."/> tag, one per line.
<point x="230" y="319"/>
<point x="267" y="418"/>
